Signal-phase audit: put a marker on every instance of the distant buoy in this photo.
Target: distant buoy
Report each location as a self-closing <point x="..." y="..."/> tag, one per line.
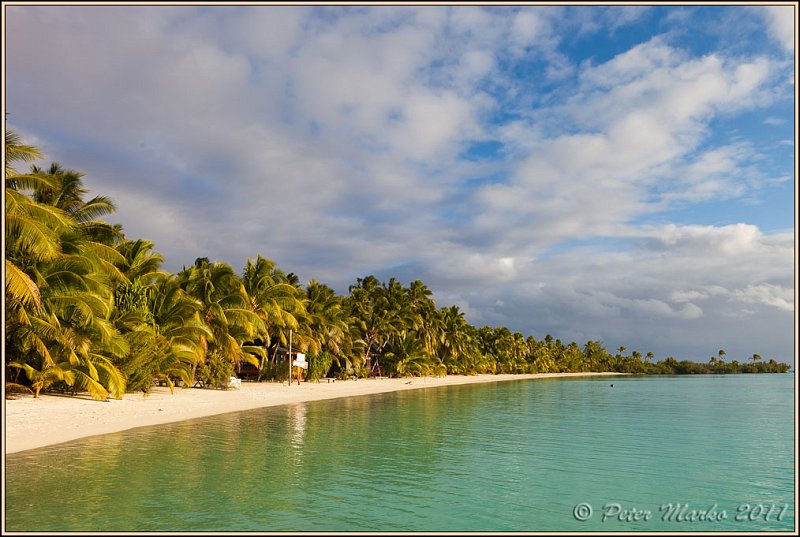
<point x="612" y="385"/>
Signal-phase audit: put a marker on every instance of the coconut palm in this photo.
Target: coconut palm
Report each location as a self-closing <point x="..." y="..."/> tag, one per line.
<point x="276" y="300"/>
<point x="58" y="295"/>
<point x="32" y="229"/>
<point x="90" y="237"/>
<point x="66" y="192"/>
<point x="405" y="355"/>
<point x="326" y="320"/>
<point x="139" y="262"/>
<point x="453" y="339"/>
<point x="375" y="319"/>
<point x="226" y="312"/>
<point x="167" y="345"/>
<point x="71" y="332"/>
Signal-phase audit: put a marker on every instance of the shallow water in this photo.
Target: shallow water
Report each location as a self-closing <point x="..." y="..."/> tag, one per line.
<point x="509" y="456"/>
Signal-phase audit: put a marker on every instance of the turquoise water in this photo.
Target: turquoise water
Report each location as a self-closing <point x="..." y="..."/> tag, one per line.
<point x="509" y="456"/>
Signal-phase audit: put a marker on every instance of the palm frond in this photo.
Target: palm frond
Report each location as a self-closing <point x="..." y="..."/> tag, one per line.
<point x="21" y="287"/>
<point x="109" y="373"/>
<point x="94" y="208"/>
<point x="84" y="381"/>
<point x="15" y="151"/>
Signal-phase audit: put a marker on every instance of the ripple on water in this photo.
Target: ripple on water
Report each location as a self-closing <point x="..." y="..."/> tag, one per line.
<point x="513" y="456"/>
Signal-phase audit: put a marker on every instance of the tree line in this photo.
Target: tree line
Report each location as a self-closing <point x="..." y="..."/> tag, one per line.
<point x="88" y="309"/>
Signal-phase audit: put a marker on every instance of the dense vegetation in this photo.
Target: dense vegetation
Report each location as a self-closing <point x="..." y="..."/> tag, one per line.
<point x="88" y="309"/>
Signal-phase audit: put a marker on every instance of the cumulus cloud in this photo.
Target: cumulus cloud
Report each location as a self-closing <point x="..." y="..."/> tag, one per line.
<point x="780" y="23"/>
<point x="346" y="141"/>
<point x="767" y="294"/>
<point x="680" y="297"/>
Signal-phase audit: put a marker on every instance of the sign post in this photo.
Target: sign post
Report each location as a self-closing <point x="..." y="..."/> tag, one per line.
<point x="290" y="357"/>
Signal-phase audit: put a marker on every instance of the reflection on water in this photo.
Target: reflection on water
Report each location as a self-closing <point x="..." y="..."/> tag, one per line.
<point x="505" y="457"/>
<point x="297" y="415"/>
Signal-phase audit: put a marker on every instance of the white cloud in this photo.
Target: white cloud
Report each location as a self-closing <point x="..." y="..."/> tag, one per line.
<point x="643" y="115"/>
<point x="774" y="121"/>
<point x="694" y="288"/>
<point x="766" y="294"/>
<point x="331" y="141"/>
<point x="687" y="296"/>
<point x="527" y="28"/>
<point x="735" y="239"/>
<point x="780" y="23"/>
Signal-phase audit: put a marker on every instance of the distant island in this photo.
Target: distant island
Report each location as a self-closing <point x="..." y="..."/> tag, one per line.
<point x="88" y="309"/>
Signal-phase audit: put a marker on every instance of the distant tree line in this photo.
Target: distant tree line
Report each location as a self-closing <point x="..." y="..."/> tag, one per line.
<point x="88" y="309"/>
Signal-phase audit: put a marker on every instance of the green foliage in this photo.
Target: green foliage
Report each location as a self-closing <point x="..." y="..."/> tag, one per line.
<point x="134" y="298"/>
<point x="319" y="365"/>
<point x="362" y="372"/>
<point x="275" y="372"/>
<point x="215" y="372"/>
<point x="345" y="374"/>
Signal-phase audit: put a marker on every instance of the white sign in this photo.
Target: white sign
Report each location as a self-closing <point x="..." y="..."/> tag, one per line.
<point x="300" y="361"/>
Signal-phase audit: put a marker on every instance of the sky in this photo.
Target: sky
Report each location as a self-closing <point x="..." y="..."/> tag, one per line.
<point x="623" y="174"/>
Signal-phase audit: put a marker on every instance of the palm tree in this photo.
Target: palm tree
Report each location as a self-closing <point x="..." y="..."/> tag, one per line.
<point x="406" y="356"/>
<point x="89" y="237"/>
<point x="32" y="229"/>
<point x="326" y="322"/>
<point x="180" y="330"/>
<point x="542" y="358"/>
<point x="226" y="312"/>
<point x="375" y="320"/>
<point x="67" y="192"/>
<point x="72" y="332"/>
<point x="453" y="338"/>
<point x="139" y="262"/>
<point x="275" y="299"/>
<point x="58" y="296"/>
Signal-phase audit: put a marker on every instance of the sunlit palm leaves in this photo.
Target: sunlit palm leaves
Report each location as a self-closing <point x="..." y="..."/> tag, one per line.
<point x="225" y="309"/>
<point x="326" y="324"/>
<point x="406" y="355"/>
<point x="139" y="261"/>
<point x="276" y="301"/>
<point x="58" y="290"/>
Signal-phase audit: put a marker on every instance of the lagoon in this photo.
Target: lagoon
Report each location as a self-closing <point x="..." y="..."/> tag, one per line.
<point x="528" y="455"/>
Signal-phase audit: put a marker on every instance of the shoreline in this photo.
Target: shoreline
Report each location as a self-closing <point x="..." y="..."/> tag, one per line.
<point x="31" y="423"/>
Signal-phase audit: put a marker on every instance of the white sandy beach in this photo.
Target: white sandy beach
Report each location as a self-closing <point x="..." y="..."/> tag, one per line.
<point x="52" y="419"/>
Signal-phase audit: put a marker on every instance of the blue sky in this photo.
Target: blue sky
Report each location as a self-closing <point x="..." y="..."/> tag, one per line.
<point x="616" y="173"/>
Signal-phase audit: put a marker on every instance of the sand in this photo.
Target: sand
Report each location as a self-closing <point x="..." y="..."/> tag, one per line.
<point x="31" y="423"/>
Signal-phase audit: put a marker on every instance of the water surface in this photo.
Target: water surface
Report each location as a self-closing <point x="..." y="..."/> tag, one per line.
<point x="508" y="456"/>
